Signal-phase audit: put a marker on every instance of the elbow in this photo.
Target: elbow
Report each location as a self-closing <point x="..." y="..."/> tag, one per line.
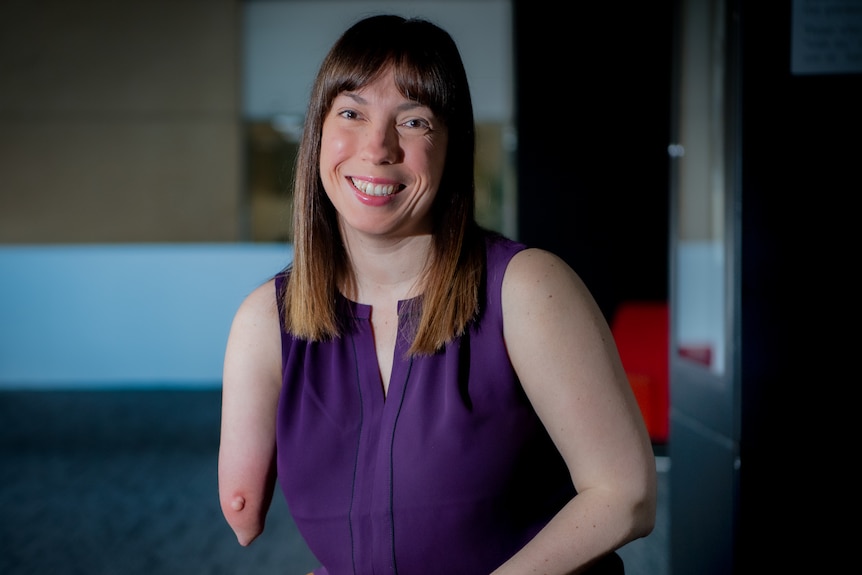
<point x="643" y="519"/>
<point x="637" y="521"/>
<point x="643" y="511"/>
<point x="637" y="503"/>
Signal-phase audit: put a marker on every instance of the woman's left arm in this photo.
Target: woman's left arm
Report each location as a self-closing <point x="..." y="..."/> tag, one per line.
<point x="565" y="356"/>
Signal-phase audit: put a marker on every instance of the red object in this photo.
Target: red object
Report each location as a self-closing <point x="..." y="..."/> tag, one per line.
<point x="701" y="354"/>
<point x="641" y="332"/>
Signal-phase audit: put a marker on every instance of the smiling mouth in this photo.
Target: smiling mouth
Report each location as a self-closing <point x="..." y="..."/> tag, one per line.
<point x="378" y="190"/>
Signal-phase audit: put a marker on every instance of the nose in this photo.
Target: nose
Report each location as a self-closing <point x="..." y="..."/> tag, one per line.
<point x="381" y="145"/>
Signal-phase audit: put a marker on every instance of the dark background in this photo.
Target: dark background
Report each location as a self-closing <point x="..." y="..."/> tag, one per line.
<point x="593" y="120"/>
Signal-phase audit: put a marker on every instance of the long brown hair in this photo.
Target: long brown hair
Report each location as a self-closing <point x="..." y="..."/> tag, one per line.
<point x="428" y="68"/>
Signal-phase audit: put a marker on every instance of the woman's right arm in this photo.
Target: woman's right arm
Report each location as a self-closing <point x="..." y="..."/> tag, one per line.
<point x="250" y="388"/>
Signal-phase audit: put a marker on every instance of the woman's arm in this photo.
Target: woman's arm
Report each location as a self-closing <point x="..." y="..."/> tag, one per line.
<point x="250" y="389"/>
<point x="565" y="356"/>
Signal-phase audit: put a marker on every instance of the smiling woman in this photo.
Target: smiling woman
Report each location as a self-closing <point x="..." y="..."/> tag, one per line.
<point x="405" y="340"/>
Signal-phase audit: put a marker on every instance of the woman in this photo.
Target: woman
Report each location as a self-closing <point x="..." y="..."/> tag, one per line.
<point x="430" y="396"/>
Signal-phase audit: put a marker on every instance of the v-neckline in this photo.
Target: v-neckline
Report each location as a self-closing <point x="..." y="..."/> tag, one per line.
<point x="399" y="367"/>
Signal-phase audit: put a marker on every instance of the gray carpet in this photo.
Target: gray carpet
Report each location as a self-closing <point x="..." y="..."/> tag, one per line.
<point x="124" y="482"/>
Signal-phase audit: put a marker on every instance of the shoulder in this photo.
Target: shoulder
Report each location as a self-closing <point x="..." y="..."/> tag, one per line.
<point x="526" y="276"/>
<point x="545" y="302"/>
<point x="261" y="300"/>
<point x="534" y="272"/>
<point x="499" y="247"/>
<point x="499" y="251"/>
<point x="253" y="354"/>
<point x="258" y="312"/>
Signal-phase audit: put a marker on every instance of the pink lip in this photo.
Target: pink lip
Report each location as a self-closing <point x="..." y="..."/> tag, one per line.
<point x="374" y="200"/>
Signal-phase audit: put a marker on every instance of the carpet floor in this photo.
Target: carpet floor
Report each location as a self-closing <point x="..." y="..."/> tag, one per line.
<point x="124" y="482"/>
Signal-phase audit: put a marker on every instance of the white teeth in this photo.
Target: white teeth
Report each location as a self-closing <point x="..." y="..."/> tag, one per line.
<point x="370" y="189"/>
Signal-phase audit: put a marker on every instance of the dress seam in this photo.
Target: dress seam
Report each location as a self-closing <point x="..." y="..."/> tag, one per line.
<point x="392" y="468"/>
<point x="356" y="456"/>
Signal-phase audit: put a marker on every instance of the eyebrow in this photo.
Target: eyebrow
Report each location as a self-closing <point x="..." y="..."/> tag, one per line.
<point x="406" y="105"/>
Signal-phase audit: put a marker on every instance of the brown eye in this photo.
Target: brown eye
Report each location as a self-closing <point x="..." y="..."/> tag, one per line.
<point x="417" y="124"/>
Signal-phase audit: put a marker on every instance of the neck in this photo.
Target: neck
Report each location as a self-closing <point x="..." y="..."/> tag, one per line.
<point x="389" y="268"/>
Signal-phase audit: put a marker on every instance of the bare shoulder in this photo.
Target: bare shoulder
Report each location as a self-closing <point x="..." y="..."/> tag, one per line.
<point x="536" y="275"/>
<point x="261" y="302"/>
<point x="550" y="318"/>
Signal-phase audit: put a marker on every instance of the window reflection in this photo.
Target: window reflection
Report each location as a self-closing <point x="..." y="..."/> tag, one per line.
<point x="699" y="280"/>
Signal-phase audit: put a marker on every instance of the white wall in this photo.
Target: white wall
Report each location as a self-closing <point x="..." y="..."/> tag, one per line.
<point x="84" y="316"/>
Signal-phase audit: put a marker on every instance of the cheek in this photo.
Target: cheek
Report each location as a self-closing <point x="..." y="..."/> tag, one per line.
<point x="333" y="149"/>
<point x="437" y="161"/>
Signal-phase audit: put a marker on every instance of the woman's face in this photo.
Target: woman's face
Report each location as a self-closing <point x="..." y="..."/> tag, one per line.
<point x="381" y="161"/>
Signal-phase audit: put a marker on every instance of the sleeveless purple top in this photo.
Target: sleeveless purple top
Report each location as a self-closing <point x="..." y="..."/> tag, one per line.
<point x="451" y="472"/>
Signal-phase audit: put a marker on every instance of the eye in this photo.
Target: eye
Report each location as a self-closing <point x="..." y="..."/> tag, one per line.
<point x="417" y="124"/>
<point x="349" y="114"/>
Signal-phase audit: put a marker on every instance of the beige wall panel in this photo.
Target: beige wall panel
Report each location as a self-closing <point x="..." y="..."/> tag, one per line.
<point x="119" y="121"/>
<point x="119" y="182"/>
<point x="91" y="56"/>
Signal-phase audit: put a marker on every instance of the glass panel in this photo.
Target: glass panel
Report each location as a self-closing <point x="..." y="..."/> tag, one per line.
<point x="699" y="282"/>
<point x="271" y="153"/>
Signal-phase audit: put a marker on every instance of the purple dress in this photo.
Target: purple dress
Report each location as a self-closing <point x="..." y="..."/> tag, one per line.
<point x="451" y="472"/>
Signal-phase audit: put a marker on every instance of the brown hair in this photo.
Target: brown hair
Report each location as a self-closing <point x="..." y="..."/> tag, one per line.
<point x="428" y="67"/>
